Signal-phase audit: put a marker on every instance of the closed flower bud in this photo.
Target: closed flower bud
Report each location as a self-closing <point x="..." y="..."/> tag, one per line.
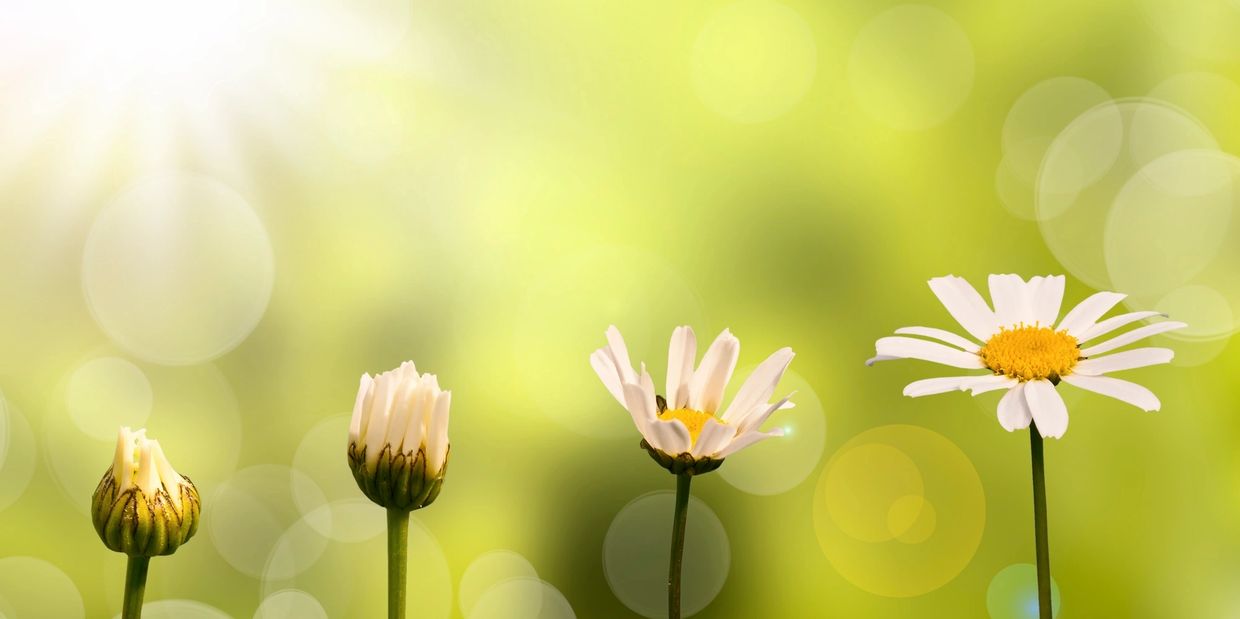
<point x="398" y="439"/>
<point x="142" y="507"/>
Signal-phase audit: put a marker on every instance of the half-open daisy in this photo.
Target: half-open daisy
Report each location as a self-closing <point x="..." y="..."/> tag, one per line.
<point x="685" y="425"/>
<point x="1025" y="348"/>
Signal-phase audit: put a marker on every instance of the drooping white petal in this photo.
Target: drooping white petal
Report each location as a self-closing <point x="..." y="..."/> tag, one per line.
<point x="714" y="436"/>
<point x="681" y="353"/>
<point x="437" y="433"/>
<point x="1049" y="412"/>
<point x="1127" y="360"/>
<point x="942" y="335"/>
<point x="934" y="386"/>
<point x="759" y="386"/>
<point x="670" y="437"/>
<point x="712" y="376"/>
<point x="910" y="348"/>
<point x="620" y="355"/>
<point x="1045" y="298"/>
<point x="1132" y="336"/>
<point x="1013" y="410"/>
<point x="755" y="420"/>
<point x="877" y="358"/>
<point x="746" y="439"/>
<point x="1008" y="293"/>
<point x="992" y="382"/>
<point x="1113" y="323"/>
<point x="607" y="371"/>
<point x="1119" y="389"/>
<point x="966" y="306"/>
<point x="357" y="424"/>
<point x="641" y="406"/>
<point x="1086" y="314"/>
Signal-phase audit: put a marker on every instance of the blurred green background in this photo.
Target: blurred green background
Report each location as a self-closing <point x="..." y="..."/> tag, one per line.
<point x="214" y="218"/>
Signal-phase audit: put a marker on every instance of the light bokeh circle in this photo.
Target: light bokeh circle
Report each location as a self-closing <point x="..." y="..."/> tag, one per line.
<point x="334" y="506"/>
<point x="1013" y="593"/>
<point x="749" y="87"/>
<point x="563" y="319"/>
<point x="288" y="604"/>
<point x="1204" y="28"/>
<point x="777" y="465"/>
<point x="1087" y="166"/>
<point x="1210" y="98"/>
<point x="635" y="555"/>
<point x="522" y="598"/>
<point x="106" y="393"/>
<point x="348" y="578"/>
<point x="17" y="454"/>
<point x="1040" y="114"/>
<point x="911" y="67"/>
<point x="899" y="511"/>
<point x="32" y="588"/>
<point x="247" y="516"/>
<point x="177" y="269"/>
<point x="488" y="570"/>
<point x="180" y="609"/>
<point x="194" y="417"/>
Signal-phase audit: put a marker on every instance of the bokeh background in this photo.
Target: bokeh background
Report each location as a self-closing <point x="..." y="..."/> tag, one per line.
<point x="216" y="216"/>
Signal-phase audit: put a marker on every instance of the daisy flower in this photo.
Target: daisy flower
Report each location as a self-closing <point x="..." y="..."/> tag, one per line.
<point x="1026" y="348"/>
<point x="686" y="425"/>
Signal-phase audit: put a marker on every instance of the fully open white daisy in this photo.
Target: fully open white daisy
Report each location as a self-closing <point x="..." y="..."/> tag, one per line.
<point x="1024" y="350"/>
<point x="687" y="422"/>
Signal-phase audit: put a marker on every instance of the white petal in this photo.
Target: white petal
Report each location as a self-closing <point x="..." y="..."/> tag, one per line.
<point x="966" y="306"/>
<point x="1086" y="314"/>
<point x="744" y="440"/>
<point x="877" y="358"/>
<point x="357" y="425"/>
<point x="910" y="348"/>
<point x="1127" y="360"/>
<point x="606" y="369"/>
<point x="1011" y="301"/>
<point x="620" y="355"/>
<point x="1114" y="323"/>
<point x="421" y="410"/>
<point x="755" y="420"/>
<point x="759" y="386"/>
<point x="1013" y="410"/>
<point x="1122" y="390"/>
<point x="993" y="382"/>
<point x="402" y="408"/>
<point x="1045" y="298"/>
<point x="933" y="386"/>
<point x="641" y="406"/>
<point x="1049" y="412"/>
<point x="681" y="353"/>
<point x="437" y="432"/>
<point x="712" y="376"/>
<point x="941" y="335"/>
<point x="380" y="413"/>
<point x="714" y="436"/>
<point x="1132" y="336"/>
<point x="669" y="437"/>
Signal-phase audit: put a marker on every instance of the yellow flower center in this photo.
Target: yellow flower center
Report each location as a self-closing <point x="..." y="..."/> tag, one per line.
<point x="694" y="420"/>
<point x="1031" y="353"/>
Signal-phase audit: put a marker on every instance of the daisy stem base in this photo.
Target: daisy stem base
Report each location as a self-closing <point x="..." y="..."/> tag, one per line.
<point x="1039" y="523"/>
<point x="398" y="556"/>
<point x="135" y="587"/>
<point x="678" y="545"/>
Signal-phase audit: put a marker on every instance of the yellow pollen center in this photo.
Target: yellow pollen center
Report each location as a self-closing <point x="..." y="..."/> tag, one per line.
<point x="1031" y="353"/>
<point x="694" y="420"/>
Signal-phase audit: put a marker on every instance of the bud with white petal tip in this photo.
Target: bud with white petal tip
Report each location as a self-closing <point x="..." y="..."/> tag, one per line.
<point x="398" y="438"/>
<point x="142" y="507"/>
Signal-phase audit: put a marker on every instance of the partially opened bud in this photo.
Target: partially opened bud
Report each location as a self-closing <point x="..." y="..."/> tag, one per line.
<point x="398" y="439"/>
<point x="142" y="507"/>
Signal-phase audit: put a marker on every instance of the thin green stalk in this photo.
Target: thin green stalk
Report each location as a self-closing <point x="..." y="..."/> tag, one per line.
<point x="398" y="557"/>
<point x="135" y="586"/>
<point x="678" y="545"/>
<point x="1039" y="524"/>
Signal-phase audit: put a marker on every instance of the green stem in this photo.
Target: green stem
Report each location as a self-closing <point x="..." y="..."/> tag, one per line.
<point x="135" y="585"/>
<point x="1039" y="524"/>
<point x="678" y="545"/>
<point x="398" y="557"/>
